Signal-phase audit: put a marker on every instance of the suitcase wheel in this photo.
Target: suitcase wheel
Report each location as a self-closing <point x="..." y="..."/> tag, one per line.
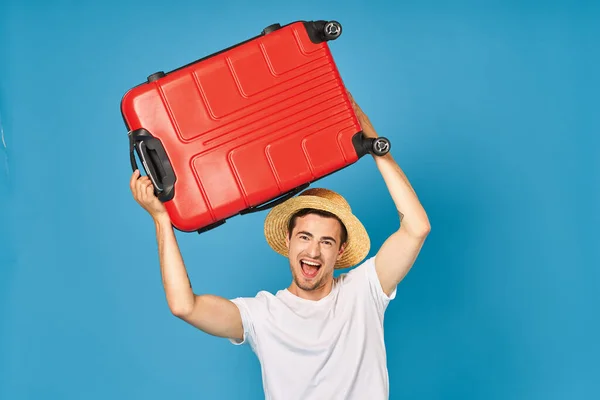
<point x="380" y="146"/>
<point x="155" y="76"/>
<point x="332" y="30"/>
<point x="323" y="31"/>
<point x="271" y="28"/>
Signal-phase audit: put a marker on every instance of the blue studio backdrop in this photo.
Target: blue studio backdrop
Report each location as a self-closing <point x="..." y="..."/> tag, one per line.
<point x="492" y="110"/>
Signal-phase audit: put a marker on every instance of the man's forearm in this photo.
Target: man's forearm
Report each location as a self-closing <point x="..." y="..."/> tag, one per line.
<point x="176" y="283"/>
<point x="412" y="215"/>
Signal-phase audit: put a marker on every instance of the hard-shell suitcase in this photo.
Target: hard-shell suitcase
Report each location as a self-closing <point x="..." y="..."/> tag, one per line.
<point x="245" y="128"/>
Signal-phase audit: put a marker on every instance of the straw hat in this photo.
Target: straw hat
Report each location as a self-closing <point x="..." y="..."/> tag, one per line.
<point x="276" y="223"/>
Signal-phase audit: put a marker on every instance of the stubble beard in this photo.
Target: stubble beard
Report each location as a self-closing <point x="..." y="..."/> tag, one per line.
<point x="304" y="285"/>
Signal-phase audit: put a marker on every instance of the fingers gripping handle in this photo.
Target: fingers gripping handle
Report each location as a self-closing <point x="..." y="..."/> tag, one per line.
<point x="155" y="162"/>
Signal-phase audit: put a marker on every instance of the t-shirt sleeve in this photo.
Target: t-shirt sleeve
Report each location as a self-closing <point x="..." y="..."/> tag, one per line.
<point x="242" y="306"/>
<point x="381" y="299"/>
<point x="249" y="310"/>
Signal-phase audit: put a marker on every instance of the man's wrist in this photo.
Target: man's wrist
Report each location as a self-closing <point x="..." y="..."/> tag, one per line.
<point x="386" y="157"/>
<point x="162" y="219"/>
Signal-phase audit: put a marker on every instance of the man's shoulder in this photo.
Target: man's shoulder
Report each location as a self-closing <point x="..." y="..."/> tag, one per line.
<point x="262" y="298"/>
<point x="358" y="272"/>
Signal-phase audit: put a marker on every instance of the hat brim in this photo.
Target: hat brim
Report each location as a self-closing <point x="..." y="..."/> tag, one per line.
<point x="276" y="224"/>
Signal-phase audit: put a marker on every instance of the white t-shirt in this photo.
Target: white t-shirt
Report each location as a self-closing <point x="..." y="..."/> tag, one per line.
<point x="321" y="350"/>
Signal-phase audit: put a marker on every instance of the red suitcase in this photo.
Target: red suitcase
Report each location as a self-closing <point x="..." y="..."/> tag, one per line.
<point x="245" y="128"/>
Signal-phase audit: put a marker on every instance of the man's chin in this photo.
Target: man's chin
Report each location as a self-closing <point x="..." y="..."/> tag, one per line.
<point x="307" y="284"/>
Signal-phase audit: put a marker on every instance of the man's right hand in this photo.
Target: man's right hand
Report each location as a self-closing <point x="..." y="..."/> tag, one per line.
<point x="143" y="192"/>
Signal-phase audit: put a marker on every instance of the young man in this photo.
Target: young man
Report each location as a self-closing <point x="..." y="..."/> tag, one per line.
<point x="322" y="337"/>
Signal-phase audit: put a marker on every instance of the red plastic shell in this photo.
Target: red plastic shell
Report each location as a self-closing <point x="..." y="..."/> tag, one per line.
<point x="246" y="125"/>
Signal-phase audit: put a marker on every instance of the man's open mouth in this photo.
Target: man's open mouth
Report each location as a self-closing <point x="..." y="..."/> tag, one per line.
<point x="310" y="269"/>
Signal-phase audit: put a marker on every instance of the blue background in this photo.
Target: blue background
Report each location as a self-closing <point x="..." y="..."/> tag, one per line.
<point x="493" y="113"/>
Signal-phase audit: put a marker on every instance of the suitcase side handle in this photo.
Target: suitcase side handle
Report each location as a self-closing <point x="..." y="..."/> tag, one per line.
<point x="276" y="201"/>
<point x="155" y="162"/>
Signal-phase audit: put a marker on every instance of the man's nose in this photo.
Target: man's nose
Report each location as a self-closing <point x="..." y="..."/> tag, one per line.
<point x="314" y="250"/>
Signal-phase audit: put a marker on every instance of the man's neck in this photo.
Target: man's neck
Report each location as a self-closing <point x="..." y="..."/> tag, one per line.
<point x="315" y="294"/>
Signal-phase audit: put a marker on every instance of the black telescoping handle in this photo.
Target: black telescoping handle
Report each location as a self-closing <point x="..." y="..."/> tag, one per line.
<point x="154" y="160"/>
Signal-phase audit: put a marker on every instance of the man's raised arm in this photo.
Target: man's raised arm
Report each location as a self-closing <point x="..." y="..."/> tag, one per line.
<point x="399" y="252"/>
<point x="212" y="314"/>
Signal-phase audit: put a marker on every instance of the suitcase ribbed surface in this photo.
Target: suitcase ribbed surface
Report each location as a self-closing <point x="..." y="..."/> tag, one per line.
<point x="248" y="124"/>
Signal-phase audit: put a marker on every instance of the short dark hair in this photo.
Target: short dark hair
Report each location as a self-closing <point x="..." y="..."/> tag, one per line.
<point x="305" y="211"/>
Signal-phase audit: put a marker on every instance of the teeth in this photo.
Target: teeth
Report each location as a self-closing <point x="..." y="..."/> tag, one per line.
<point x="311" y="263"/>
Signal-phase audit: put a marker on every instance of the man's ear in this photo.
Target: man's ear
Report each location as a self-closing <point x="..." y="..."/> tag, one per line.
<point x="287" y="240"/>
<point x="341" y="250"/>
